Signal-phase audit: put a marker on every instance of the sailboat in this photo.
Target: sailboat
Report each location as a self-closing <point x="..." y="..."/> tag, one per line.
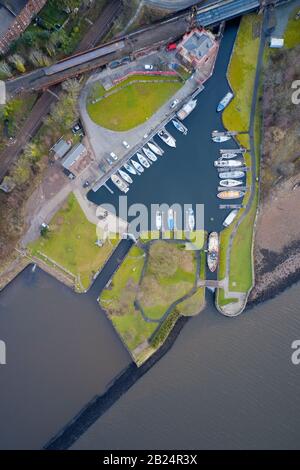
<point x="130" y="168"/>
<point x="150" y="154"/>
<point x="137" y="166"/>
<point x="156" y="149"/>
<point x="125" y="176"/>
<point x="143" y="160"/>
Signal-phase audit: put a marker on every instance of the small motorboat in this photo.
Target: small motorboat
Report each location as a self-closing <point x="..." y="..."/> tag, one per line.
<point x="171" y="219"/>
<point x="158" y="220"/>
<point x="231" y="174"/>
<point x="119" y="183"/>
<point x="179" y="126"/>
<point x="221" y="138"/>
<point x="130" y="168"/>
<point x="230" y="218"/>
<point x="137" y="166"/>
<point x="229" y="183"/>
<point x="227" y="163"/>
<point x="167" y="138"/>
<point x="190" y="219"/>
<point x="125" y="176"/>
<point x="155" y="148"/>
<point x="224" y="102"/>
<point x="150" y="154"/>
<point x="143" y="160"/>
<point x="231" y="194"/>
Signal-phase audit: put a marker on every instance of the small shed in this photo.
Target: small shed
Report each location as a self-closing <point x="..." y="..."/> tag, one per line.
<point x="61" y="148"/>
<point x="76" y="160"/>
<point x="276" y="43"/>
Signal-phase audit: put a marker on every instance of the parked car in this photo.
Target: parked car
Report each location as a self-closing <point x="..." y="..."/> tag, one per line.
<point x="126" y="144"/>
<point x="77" y="129"/>
<point x="148" y="67"/>
<point x="86" y="184"/>
<point x="113" y="156"/>
<point x="174" y="103"/>
<point x="109" y="160"/>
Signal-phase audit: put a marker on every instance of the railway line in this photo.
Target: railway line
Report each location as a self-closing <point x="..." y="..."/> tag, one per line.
<point x="140" y="41"/>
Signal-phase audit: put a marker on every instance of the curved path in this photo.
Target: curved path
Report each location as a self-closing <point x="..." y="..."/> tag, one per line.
<point x="237" y="308"/>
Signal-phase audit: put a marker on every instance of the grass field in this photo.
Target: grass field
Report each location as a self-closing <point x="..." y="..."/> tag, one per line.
<point x="170" y="274"/>
<point x="134" y="104"/>
<point x="241" y="75"/>
<point x="70" y="242"/>
<point x="292" y="33"/>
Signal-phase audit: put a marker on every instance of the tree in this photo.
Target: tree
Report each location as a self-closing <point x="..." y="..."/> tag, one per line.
<point x="18" y="62"/>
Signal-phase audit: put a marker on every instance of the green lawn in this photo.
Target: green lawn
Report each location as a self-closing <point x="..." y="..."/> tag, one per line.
<point x="170" y="275"/>
<point x="292" y="33"/>
<point x="70" y="242"/>
<point x="132" y="105"/>
<point x="241" y="75"/>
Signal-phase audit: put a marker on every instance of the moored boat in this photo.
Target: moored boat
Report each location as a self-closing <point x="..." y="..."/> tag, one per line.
<point x="125" y="176"/>
<point x="171" y="219"/>
<point x="229" y="155"/>
<point x="167" y="138"/>
<point x="190" y="219"/>
<point x="213" y="251"/>
<point x="137" y="166"/>
<point x="231" y="174"/>
<point x="186" y="109"/>
<point x="229" y="183"/>
<point x="224" y="101"/>
<point x="158" y="220"/>
<point x="155" y="148"/>
<point x="221" y="138"/>
<point x="227" y="163"/>
<point x="150" y="154"/>
<point x="179" y="126"/>
<point x="121" y="185"/>
<point x="230" y="218"/>
<point x="233" y="194"/>
<point x="143" y="160"/>
<point x="130" y="168"/>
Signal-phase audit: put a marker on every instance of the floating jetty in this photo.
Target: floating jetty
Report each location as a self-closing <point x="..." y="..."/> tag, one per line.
<point x="241" y="150"/>
<point x="231" y="206"/>
<point x="242" y="188"/>
<point x="221" y="169"/>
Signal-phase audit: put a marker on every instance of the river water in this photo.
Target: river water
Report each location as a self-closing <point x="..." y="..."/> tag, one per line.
<point x="234" y="379"/>
<point x="225" y="384"/>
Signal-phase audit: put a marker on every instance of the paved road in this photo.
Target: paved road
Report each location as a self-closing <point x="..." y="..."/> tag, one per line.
<point x="43" y="104"/>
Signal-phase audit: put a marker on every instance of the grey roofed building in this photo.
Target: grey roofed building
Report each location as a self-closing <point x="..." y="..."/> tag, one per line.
<point x="61" y="148"/>
<point x="73" y="155"/>
<point x="199" y="44"/>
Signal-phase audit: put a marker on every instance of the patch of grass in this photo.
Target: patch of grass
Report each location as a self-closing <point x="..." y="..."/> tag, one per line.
<point x="118" y="301"/>
<point x="292" y="32"/>
<point x="134" y="104"/>
<point x="170" y="275"/>
<point x="222" y="300"/>
<point x="70" y="242"/>
<point x="241" y="74"/>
